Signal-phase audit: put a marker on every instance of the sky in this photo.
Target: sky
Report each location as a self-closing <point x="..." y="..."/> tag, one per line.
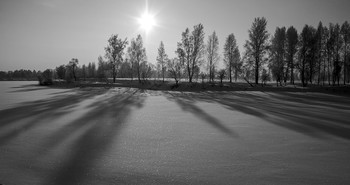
<point x="41" y="34"/>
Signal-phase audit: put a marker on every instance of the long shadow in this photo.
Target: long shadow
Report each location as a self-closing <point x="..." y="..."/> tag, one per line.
<point x="104" y="121"/>
<point x="187" y="104"/>
<point x="295" y="113"/>
<point x="315" y="99"/>
<point x="17" y="120"/>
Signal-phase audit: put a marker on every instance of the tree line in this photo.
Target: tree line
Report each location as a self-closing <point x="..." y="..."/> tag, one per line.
<point x="313" y="56"/>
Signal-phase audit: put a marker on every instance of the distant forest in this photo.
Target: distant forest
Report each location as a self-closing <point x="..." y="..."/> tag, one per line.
<point x="311" y="56"/>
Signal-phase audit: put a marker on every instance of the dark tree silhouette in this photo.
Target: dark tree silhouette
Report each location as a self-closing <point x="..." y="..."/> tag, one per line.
<point x="336" y="52"/>
<point x="257" y="46"/>
<point x="345" y="32"/>
<point x="190" y="49"/>
<point x="83" y="71"/>
<point x="61" y="71"/>
<point x="320" y="45"/>
<point x="329" y="48"/>
<point x="222" y="74"/>
<point x="292" y="41"/>
<point x="115" y="52"/>
<point x="74" y="64"/>
<point x="306" y="52"/>
<point x="277" y="54"/>
<point x="232" y="56"/>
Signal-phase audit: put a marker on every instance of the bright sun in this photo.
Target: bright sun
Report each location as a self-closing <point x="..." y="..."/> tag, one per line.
<point x="147" y="22"/>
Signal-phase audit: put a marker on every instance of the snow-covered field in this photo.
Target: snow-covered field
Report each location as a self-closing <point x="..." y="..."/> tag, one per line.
<point x="132" y="136"/>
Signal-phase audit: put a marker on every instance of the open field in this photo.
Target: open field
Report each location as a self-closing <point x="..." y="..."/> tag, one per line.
<point x="122" y="135"/>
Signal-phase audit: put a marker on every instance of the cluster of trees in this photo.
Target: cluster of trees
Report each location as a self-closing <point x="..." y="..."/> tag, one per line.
<point x="19" y="75"/>
<point x="320" y="54"/>
<point x="315" y="55"/>
<point x="113" y="65"/>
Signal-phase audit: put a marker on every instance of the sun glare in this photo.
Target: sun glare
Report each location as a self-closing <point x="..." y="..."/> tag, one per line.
<point x="147" y="22"/>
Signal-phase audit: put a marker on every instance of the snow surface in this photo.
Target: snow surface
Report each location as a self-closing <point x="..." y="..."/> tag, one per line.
<point x="135" y="136"/>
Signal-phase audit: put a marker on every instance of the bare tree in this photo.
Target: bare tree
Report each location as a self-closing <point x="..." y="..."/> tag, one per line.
<point x="319" y="49"/>
<point x="114" y="52"/>
<point x="190" y="49"/>
<point x="329" y="48"/>
<point x="212" y="54"/>
<point x="231" y="56"/>
<point x="137" y="54"/>
<point x="307" y="43"/>
<point x="292" y="42"/>
<point x="162" y="58"/>
<point x="257" y="46"/>
<point x="336" y="57"/>
<point x="345" y="31"/>
<point x="277" y="54"/>
<point x="175" y="68"/>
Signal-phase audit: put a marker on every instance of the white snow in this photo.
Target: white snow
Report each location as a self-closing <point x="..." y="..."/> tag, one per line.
<point x="131" y="136"/>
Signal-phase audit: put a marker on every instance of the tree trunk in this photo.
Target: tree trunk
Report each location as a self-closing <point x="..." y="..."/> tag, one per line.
<point x="230" y="71"/>
<point x="329" y="75"/>
<point x="163" y="72"/>
<point x="75" y="78"/>
<point x="319" y="72"/>
<point x="236" y="73"/>
<point x="324" y="72"/>
<point x="302" y="73"/>
<point x="138" y="72"/>
<point x="189" y="71"/>
<point x="292" y="70"/>
<point x="256" y="70"/>
<point x="114" y="74"/>
<point x="344" y="66"/>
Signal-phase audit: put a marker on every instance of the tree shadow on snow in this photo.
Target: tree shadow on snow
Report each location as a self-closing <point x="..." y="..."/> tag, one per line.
<point x="315" y="114"/>
<point x="100" y="126"/>
<point x="17" y="120"/>
<point x="187" y="103"/>
<point x="307" y="114"/>
<point x="85" y="138"/>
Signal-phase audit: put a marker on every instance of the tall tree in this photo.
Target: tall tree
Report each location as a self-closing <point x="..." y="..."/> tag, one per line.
<point x="190" y="49"/>
<point x="114" y="53"/>
<point x="73" y="63"/>
<point x="277" y="52"/>
<point x="212" y="54"/>
<point x="137" y="54"/>
<point x="257" y="46"/>
<point x="292" y="42"/>
<point x="329" y="48"/>
<point x="306" y="53"/>
<point x="162" y="58"/>
<point x="231" y="55"/>
<point x="319" y="49"/>
<point x="345" y="31"/>
<point x="336" y="52"/>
